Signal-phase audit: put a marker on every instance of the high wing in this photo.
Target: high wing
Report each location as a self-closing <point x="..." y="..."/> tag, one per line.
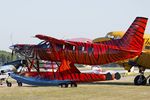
<point x="54" y="40"/>
<point x="129" y="46"/>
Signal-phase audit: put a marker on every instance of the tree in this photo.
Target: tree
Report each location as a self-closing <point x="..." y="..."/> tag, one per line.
<point x="3" y="58"/>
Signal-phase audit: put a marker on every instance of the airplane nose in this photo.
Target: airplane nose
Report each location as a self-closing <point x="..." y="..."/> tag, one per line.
<point x="12" y="47"/>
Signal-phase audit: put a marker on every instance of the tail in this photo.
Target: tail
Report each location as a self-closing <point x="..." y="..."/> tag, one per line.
<point x="133" y="38"/>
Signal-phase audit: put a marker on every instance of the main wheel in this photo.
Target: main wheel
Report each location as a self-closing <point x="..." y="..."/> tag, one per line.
<point x="9" y="84"/>
<point x="117" y="76"/>
<point x="73" y="84"/>
<point x="149" y="80"/>
<point x="64" y="85"/>
<point x="19" y="83"/>
<point x="140" y="80"/>
<point x="109" y="76"/>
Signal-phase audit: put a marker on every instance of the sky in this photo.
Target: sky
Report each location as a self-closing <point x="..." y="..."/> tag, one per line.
<point x="21" y="20"/>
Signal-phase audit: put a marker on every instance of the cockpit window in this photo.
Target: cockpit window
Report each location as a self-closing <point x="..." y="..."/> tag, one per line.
<point x="44" y="45"/>
<point x="41" y="43"/>
<point x="113" y="37"/>
<point x="110" y="36"/>
<point x="118" y="37"/>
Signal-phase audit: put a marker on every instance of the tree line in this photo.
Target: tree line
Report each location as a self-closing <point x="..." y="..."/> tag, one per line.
<point x="6" y="57"/>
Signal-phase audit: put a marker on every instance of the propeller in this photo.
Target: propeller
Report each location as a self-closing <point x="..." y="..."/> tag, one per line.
<point x="11" y="47"/>
<point x="12" y="55"/>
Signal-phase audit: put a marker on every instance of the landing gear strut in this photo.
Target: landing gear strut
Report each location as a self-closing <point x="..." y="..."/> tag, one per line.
<point x="140" y="79"/>
<point x="64" y="85"/>
<point x="9" y="84"/>
<point x="19" y="83"/>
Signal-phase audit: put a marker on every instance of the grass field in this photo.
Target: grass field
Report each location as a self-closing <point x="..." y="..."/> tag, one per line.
<point x="109" y="90"/>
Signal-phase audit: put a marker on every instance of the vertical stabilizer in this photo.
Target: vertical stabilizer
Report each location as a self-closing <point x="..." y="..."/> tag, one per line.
<point x="133" y="38"/>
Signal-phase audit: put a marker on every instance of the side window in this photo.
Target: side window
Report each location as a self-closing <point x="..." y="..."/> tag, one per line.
<point x="63" y="46"/>
<point x="74" y="48"/>
<point x="59" y="47"/>
<point x="70" y="47"/>
<point x="45" y="45"/>
<point x="90" y="49"/>
<point x="81" y="48"/>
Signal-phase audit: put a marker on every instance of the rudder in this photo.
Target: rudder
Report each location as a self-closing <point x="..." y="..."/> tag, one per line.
<point x="133" y="38"/>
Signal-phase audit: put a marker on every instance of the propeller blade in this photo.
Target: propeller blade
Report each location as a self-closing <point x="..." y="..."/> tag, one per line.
<point x="12" y="55"/>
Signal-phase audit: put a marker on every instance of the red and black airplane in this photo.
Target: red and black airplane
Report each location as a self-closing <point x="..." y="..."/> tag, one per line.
<point x="69" y="53"/>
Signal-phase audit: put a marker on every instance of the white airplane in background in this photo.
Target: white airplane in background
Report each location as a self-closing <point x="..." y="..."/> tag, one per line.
<point x="14" y="66"/>
<point x="98" y="70"/>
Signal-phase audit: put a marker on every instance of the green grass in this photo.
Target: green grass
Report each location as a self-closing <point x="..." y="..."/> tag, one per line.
<point x="111" y="90"/>
<point x="83" y="92"/>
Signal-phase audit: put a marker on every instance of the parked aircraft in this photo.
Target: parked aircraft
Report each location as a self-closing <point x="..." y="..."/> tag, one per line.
<point x="10" y="67"/>
<point x="141" y="61"/>
<point x="70" y="53"/>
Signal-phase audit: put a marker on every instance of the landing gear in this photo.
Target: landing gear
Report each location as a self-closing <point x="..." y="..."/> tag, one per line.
<point x="65" y="85"/>
<point x="109" y="76"/>
<point x="117" y="76"/>
<point x="19" y="83"/>
<point x="73" y="84"/>
<point x="9" y="84"/>
<point x="140" y="80"/>
<point x="149" y="81"/>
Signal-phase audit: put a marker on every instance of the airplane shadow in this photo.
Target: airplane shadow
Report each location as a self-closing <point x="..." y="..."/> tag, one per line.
<point x="114" y="83"/>
<point x="111" y="83"/>
<point x="36" y="86"/>
<point x="29" y="86"/>
<point x="95" y="83"/>
<point x="98" y="83"/>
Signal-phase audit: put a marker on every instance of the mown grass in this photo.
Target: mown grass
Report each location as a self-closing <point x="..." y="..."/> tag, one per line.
<point x="111" y="90"/>
<point x="83" y="92"/>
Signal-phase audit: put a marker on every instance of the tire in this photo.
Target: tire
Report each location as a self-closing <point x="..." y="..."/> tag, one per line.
<point x="117" y="76"/>
<point x="149" y="80"/>
<point x="64" y="85"/>
<point x="109" y="76"/>
<point x="9" y="84"/>
<point x="73" y="84"/>
<point x="19" y="83"/>
<point x="140" y="80"/>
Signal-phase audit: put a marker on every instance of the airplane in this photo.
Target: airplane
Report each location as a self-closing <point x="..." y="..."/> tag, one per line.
<point x="141" y="61"/>
<point x="62" y="79"/>
<point x="69" y="53"/>
<point x="9" y="67"/>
